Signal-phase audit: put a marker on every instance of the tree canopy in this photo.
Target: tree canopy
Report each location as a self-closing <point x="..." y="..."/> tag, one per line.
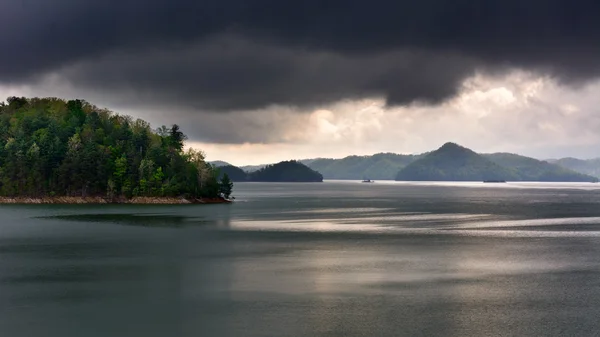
<point x="54" y="147"/>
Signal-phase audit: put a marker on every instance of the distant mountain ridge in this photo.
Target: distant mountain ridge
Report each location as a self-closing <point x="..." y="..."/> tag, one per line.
<point x="453" y="163"/>
<point x="380" y="166"/>
<point x="588" y="166"/>
<point x="529" y="169"/>
<point x="219" y="163"/>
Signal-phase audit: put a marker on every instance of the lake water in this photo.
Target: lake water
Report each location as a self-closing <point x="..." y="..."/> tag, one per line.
<point x="330" y="259"/>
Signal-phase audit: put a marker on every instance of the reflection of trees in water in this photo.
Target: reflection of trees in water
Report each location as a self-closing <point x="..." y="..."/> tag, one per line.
<point x="176" y="217"/>
<point x="165" y="278"/>
<point x="143" y="220"/>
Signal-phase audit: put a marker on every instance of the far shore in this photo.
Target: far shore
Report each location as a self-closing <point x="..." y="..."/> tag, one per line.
<point x="103" y="200"/>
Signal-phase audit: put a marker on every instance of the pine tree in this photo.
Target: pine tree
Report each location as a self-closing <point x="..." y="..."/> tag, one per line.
<point x="225" y="186"/>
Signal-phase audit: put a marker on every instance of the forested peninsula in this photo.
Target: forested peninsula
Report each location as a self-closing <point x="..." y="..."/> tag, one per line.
<point x="58" y="151"/>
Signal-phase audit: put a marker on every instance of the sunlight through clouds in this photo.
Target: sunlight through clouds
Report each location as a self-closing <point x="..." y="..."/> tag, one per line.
<point x="515" y="113"/>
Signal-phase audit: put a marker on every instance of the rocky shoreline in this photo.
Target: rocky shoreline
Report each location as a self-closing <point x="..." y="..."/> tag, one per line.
<point x="102" y="200"/>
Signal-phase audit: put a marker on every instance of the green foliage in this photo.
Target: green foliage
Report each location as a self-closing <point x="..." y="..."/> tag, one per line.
<point x="211" y="184"/>
<point x="286" y="171"/>
<point x="225" y="186"/>
<point x="50" y="146"/>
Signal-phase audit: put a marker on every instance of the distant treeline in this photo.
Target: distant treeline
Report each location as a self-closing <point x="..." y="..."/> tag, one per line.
<point x="286" y="171"/>
<point x="54" y="147"/>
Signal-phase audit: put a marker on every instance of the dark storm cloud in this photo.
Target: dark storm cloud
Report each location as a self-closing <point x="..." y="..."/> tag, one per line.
<point x="239" y="54"/>
<point x="230" y="74"/>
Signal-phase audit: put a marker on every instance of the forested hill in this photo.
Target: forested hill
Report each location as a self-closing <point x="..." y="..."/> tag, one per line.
<point x="381" y="166"/>
<point x="452" y="162"/>
<point x="54" y="147"/>
<point x="286" y="171"/>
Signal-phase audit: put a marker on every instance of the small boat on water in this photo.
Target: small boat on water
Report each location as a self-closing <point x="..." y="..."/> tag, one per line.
<point x="368" y="181"/>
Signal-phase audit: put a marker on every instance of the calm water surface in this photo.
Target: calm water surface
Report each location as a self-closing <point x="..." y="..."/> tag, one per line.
<point x="330" y="259"/>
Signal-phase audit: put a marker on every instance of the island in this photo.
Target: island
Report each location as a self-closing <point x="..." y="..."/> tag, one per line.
<point x="285" y="171"/>
<point x="70" y="151"/>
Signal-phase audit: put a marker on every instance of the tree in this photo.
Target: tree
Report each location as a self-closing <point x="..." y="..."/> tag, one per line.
<point x="119" y="175"/>
<point x="145" y="175"/>
<point x="176" y="138"/>
<point x="16" y="102"/>
<point x="225" y="186"/>
<point x="157" y="178"/>
<point x="72" y="173"/>
<point x="77" y="115"/>
<point x="34" y="180"/>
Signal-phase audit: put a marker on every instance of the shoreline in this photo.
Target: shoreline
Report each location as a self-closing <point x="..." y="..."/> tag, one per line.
<point x="108" y="201"/>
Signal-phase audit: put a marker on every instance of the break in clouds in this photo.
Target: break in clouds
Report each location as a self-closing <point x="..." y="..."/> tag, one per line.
<point x="240" y="71"/>
<point x="517" y="113"/>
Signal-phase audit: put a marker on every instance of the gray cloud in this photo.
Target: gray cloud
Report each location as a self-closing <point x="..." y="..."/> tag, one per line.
<point x="234" y="74"/>
<point x="181" y="53"/>
<point x="256" y="127"/>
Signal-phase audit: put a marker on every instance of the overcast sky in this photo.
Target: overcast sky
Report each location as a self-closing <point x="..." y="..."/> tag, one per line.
<point x="266" y="80"/>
